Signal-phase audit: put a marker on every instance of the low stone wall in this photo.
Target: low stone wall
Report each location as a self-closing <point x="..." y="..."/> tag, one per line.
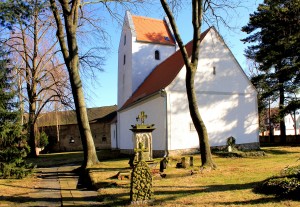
<point x="156" y="153"/>
<point x="245" y="146"/>
<point x="161" y="153"/>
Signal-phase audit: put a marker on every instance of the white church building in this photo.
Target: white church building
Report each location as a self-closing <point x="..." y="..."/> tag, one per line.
<point x="151" y="78"/>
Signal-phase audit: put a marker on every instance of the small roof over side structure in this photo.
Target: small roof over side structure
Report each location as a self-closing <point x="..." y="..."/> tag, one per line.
<point x="69" y="117"/>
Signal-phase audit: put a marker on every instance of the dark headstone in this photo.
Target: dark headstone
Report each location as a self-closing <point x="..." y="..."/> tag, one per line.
<point x="191" y="161"/>
<point x="131" y="161"/>
<point x="181" y="164"/>
<point x="163" y="164"/>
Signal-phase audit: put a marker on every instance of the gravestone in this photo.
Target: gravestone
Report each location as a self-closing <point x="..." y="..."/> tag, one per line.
<point x="141" y="179"/>
<point x="191" y="161"/>
<point x="163" y="164"/>
<point x="181" y="164"/>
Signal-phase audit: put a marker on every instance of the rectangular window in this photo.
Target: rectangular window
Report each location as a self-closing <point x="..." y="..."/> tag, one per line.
<point x="214" y="70"/>
<point x="124" y="61"/>
<point x="124" y="39"/>
<point x="192" y="127"/>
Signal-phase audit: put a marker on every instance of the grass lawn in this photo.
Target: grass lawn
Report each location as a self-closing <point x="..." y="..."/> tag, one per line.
<point x="65" y="158"/>
<point x="230" y="185"/>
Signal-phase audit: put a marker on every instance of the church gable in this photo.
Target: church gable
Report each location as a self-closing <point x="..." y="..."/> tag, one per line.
<point x="218" y="70"/>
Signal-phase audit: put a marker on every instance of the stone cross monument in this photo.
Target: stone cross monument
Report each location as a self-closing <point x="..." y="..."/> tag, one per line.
<point x="142" y="133"/>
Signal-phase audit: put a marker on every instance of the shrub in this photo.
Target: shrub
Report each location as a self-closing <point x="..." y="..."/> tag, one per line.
<point x="287" y="184"/>
<point x="43" y="140"/>
<point x="13" y="150"/>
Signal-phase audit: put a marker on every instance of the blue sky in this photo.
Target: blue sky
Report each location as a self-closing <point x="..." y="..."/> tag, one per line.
<point x="104" y="92"/>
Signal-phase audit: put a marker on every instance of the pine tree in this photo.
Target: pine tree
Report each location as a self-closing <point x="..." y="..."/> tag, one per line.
<point x="13" y="146"/>
<point x="274" y="31"/>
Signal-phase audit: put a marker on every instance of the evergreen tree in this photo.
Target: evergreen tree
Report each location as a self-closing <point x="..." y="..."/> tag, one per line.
<point x="12" y="11"/>
<point x="13" y="146"/>
<point x="275" y="35"/>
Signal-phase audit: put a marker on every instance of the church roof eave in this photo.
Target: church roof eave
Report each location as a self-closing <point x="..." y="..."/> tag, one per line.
<point x="131" y="103"/>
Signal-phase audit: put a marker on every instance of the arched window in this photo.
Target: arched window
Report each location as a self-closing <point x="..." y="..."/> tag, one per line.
<point x="124" y="39"/>
<point x="124" y="60"/>
<point x="157" y="55"/>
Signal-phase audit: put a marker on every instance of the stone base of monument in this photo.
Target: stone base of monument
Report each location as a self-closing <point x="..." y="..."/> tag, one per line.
<point x="152" y="165"/>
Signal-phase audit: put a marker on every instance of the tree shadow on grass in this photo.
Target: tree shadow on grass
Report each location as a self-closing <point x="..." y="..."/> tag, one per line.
<point x="183" y="191"/>
<point x="89" y="201"/>
<point x="264" y="200"/>
<point x="165" y="194"/>
<point x="114" y="199"/>
<point x="278" y="151"/>
<point x="29" y="201"/>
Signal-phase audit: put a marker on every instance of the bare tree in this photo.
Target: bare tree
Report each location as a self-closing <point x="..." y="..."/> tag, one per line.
<point x="202" y="10"/>
<point x="67" y="25"/>
<point x="38" y="68"/>
<point x="191" y="68"/>
<point x="69" y="17"/>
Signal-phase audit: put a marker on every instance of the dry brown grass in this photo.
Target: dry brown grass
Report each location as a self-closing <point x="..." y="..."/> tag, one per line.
<point x="230" y="185"/>
<point x="12" y="190"/>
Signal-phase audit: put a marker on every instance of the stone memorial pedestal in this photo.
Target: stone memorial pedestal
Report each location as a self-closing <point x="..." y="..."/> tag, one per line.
<point x="142" y="133"/>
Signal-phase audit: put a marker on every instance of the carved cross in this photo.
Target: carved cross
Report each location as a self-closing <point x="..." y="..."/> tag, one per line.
<point x="142" y="116"/>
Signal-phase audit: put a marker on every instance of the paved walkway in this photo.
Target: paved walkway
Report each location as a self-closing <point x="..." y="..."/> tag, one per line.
<point x="59" y="187"/>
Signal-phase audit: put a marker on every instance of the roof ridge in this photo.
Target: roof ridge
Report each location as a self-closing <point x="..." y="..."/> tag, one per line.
<point x="144" y="17"/>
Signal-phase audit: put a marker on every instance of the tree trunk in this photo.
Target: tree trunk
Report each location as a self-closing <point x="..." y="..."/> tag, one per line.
<point x="69" y="48"/>
<point x="281" y="106"/>
<point x="206" y="157"/>
<point x="90" y="155"/>
<point x="191" y="68"/>
<point x="31" y="135"/>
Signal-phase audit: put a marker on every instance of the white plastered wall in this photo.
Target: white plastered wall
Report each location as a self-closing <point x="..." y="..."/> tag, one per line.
<point x="227" y="100"/>
<point x="154" y="108"/>
<point x="143" y="60"/>
<point x="125" y="70"/>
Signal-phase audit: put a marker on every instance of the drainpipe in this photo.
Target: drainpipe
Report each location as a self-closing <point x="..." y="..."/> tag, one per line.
<point x="163" y="94"/>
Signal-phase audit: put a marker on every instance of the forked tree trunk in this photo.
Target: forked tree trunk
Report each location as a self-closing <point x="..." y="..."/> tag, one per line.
<point x="191" y="68"/>
<point x="206" y="157"/>
<point x="69" y="47"/>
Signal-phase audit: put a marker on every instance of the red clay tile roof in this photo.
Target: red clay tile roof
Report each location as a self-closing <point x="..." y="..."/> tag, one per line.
<point x="152" y="30"/>
<point x="161" y="76"/>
